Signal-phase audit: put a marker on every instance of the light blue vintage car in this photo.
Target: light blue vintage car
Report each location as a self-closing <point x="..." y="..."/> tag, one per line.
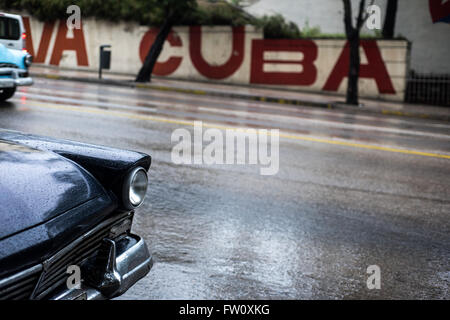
<point x="14" y="66"/>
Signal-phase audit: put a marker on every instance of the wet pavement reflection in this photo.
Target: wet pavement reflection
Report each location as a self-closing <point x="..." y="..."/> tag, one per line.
<point x="309" y="232"/>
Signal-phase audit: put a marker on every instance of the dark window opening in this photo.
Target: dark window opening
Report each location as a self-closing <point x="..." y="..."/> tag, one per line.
<point x="9" y="29"/>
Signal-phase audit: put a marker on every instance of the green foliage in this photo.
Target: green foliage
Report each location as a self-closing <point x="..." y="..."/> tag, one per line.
<point x="275" y="27"/>
<point x="149" y="12"/>
<point x="236" y="2"/>
<point x="220" y="14"/>
<point x="378" y="33"/>
<point x="310" y="32"/>
<point x="154" y="12"/>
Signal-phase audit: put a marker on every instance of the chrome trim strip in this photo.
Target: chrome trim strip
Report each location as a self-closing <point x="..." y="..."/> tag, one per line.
<point x="132" y="264"/>
<point x="20" y="275"/>
<point x="7" y="83"/>
<point x="77" y="241"/>
<point x="41" y="268"/>
<point x="47" y="263"/>
<point x="15" y="80"/>
<point x="23" y="81"/>
<point x="8" y="70"/>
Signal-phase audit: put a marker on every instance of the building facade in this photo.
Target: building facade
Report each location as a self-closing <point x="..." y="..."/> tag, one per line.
<point x="425" y="23"/>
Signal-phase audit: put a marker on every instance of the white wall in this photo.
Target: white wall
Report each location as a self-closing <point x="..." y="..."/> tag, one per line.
<point x="430" y="42"/>
<point x="222" y="53"/>
<point x="430" y="52"/>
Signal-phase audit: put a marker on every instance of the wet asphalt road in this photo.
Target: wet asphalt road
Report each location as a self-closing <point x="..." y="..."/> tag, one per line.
<point x="308" y="232"/>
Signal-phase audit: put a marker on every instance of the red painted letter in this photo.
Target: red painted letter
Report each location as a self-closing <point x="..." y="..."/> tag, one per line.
<point x="43" y="44"/>
<point x="307" y="76"/>
<point x="216" y="72"/>
<point x="440" y="10"/>
<point x="161" y="68"/>
<point x="374" y="69"/>
<point x="29" y="39"/>
<point x="63" y="43"/>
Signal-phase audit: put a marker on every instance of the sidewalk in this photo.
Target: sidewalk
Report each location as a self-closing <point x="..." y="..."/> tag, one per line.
<point x="247" y="93"/>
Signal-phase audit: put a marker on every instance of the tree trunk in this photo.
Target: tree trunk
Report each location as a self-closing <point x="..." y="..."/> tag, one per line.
<point x="145" y="73"/>
<point x="352" y="34"/>
<point x="353" y="71"/>
<point x="389" y="20"/>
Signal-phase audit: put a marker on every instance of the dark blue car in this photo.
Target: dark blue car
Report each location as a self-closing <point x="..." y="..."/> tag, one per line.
<point x="66" y="210"/>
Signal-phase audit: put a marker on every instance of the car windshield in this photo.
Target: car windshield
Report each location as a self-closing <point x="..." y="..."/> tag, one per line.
<point x="9" y="28"/>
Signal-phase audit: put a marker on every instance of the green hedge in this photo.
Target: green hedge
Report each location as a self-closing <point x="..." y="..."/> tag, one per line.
<point x="150" y="12"/>
<point x="275" y="27"/>
<point x="113" y="10"/>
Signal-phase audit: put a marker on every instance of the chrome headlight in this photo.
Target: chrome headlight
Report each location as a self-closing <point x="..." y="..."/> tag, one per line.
<point x="28" y="60"/>
<point x="134" y="188"/>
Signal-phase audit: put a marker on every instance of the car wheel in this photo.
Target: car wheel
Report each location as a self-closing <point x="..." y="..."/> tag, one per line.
<point x="7" y="93"/>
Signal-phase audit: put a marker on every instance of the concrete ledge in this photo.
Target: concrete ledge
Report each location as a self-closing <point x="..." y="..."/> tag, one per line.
<point x="392" y="112"/>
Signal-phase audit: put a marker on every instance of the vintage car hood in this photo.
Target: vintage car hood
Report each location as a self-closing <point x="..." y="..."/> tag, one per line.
<point x="38" y="185"/>
<point x="12" y="56"/>
<point x="107" y="165"/>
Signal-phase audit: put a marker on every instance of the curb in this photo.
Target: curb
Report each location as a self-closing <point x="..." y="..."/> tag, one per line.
<point x="120" y="83"/>
<point x="390" y="112"/>
<point x="283" y="101"/>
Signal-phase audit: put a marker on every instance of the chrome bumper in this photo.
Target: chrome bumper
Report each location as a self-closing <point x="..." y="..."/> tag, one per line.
<point x="14" y="79"/>
<point x="128" y="261"/>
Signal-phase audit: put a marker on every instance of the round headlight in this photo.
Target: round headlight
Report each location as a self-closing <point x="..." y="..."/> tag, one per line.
<point x="28" y="60"/>
<point x="134" y="188"/>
